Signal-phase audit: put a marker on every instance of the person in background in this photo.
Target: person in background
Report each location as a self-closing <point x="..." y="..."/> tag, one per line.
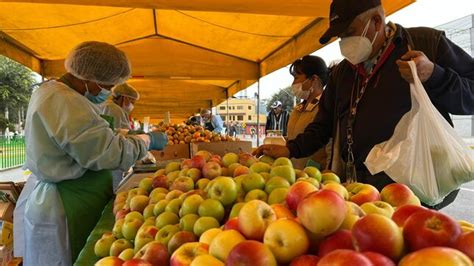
<point x="212" y="122"/>
<point x="310" y="75"/>
<point x="120" y="105"/>
<point x="369" y="92"/>
<point x="69" y="149"/>
<point x="277" y="119"/>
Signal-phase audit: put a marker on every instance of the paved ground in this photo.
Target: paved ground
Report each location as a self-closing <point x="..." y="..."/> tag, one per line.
<point x="460" y="209"/>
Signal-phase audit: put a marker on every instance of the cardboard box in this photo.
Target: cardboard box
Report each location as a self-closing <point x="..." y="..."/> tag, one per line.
<point x="6" y="233"/>
<point x="221" y="148"/>
<point x="172" y="152"/>
<point x="6" y="211"/>
<point x="131" y="181"/>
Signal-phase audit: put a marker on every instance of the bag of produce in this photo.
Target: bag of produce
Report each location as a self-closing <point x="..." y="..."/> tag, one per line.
<point x="424" y="152"/>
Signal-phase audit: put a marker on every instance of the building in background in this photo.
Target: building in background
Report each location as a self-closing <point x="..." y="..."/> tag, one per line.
<point x="242" y="112"/>
<point x="461" y="32"/>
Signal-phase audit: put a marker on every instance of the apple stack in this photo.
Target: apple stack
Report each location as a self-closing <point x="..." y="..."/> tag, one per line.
<point x="185" y="134"/>
<point x="240" y="210"/>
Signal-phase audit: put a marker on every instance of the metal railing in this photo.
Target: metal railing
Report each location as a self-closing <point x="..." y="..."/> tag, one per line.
<point x="12" y="151"/>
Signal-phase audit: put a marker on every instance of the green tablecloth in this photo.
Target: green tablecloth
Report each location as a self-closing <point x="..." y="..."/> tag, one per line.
<point x="105" y="224"/>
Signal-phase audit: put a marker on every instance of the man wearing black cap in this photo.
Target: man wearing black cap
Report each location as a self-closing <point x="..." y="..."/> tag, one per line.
<point x="369" y="91"/>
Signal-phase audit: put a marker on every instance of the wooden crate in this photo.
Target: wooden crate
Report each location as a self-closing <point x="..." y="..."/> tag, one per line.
<point x="172" y="152"/>
<point x="221" y="148"/>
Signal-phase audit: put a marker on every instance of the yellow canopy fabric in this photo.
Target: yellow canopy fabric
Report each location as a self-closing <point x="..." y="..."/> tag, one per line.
<point x="185" y="55"/>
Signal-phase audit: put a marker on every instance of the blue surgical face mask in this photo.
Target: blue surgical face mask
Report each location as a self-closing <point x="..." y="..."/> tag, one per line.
<point x="99" y="98"/>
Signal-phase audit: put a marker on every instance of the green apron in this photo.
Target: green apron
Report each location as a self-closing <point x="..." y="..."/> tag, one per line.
<point x="84" y="200"/>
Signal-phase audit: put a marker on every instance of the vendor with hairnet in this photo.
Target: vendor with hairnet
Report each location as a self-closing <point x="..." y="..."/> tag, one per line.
<point x="121" y="105"/>
<point x="69" y="150"/>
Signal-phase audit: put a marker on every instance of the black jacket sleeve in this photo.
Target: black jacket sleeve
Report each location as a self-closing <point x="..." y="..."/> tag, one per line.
<point x="269" y="122"/>
<point x="318" y="132"/>
<point x="451" y="86"/>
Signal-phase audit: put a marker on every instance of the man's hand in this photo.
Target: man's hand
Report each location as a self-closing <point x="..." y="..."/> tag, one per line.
<point x="274" y="151"/>
<point x="424" y="67"/>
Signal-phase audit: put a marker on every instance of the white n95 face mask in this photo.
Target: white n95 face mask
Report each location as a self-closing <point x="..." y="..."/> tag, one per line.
<point x="298" y="91"/>
<point x="357" y="49"/>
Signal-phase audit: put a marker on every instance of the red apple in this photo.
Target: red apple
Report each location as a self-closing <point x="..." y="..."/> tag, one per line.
<point x="324" y="206"/>
<point x="378" y="233"/>
<point x="247" y="159"/>
<point x="250" y="252"/>
<point x="344" y="257"/>
<point x="155" y="253"/>
<point x="137" y="262"/>
<point x="186" y="253"/>
<point x="160" y="181"/>
<point x="378" y="259"/>
<point x="430" y="228"/>
<point x="305" y="260"/>
<point x="232" y="223"/>
<point x="341" y="239"/>
<point x="254" y="218"/>
<point x="465" y="243"/>
<point x="198" y="161"/>
<point x="179" y="239"/>
<point x="397" y="195"/>
<point x="121" y="214"/>
<point x="402" y="213"/>
<point x="297" y="192"/>
<point x="360" y="193"/>
<point x="436" y="256"/>
<point x="282" y="212"/>
<point x="211" y="170"/>
<point x="241" y="170"/>
<point x="187" y="164"/>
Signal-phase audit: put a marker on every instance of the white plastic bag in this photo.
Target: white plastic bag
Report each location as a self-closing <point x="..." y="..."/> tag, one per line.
<point x="424" y="152"/>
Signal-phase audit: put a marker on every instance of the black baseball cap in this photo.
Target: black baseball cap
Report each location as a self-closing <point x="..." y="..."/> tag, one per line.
<point x="342" y="13"/>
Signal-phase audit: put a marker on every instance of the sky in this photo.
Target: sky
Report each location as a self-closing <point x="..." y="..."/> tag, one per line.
<point x="429" y="13"/>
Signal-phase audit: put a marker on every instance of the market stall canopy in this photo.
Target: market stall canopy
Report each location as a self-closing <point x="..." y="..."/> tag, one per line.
<point x="185" y="54"/>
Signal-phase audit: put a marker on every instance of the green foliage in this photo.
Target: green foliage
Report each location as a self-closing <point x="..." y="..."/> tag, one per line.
<point x="16" y="82"/>
<point x="285" y="96"/>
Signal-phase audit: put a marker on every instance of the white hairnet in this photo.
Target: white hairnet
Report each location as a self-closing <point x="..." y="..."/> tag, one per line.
<point x="99" y="62"/>
<point x="125" y="90"/>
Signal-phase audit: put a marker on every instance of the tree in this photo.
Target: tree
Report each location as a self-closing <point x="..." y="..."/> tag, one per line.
<point x="16" y="83"/>
<point x="285" y="96"/>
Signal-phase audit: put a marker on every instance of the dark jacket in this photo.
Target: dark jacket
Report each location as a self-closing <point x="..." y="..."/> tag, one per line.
<point x="387" y="97"/>
<point x="278" y="124"/>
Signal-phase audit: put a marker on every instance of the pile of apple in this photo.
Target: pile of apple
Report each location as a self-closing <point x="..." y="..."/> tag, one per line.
<point x="185" y="134"/>
<point x="240" y="210"/>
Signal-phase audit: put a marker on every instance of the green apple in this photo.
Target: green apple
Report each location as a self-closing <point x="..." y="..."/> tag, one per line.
<point x="102" y="246"/>
<point x="134" y="215"/>
<point x="329" y="176"/>
<point x="234" y="212"/>
<point x="265" y="176"/>
<point x="190" y="205"/>
<point x="117" y="229"/>
<point x="166" y="233"/>
<point x="174" y="205"/>
<point x="256" y="194"/>
<point x="260" y="167"/>
<point x="378" y="207"/>
<point x="134" y="192"/>
<point x="266" y="159"/>
<point x="282" y="161"/>
<point x="313" y="172"/>
<point x="130" y="228"/>
<point x="183" y="183"/>
<point x="211" y="208"/>
<point x="186" y="223"/>
<point x="145" y="184"/>
<point x="202" y="183"/>
<point x="183" y="172"/>
<point x="276" y="182"/>
<point x="159" y="190"/>
<point x="159" y="172"/>
<point x="203" y="224"/>
<point x="160" y="207"/>
<point x="126" y="254"/>
<point x="172" y="167"/>
<point x="299" y="173"/>
<point x="148" y="211"/>
<point x="224" y="190"/>
<point x="252" y="181"/>
<point x="166" y="218"/>
<point x="138" y="203"/>
<point x="194" y="174"/>
<point x="230" y="158"/>
<point x="155" y="197"/>
<point x="172" y="177"/>
<point x="173" y="194"/>
<point x="149" y="221"/>
<point x="144" y="235"/>
<point x="285" y="171"/>
<point x="278" y="195"/>
<point x="310" y="180"/>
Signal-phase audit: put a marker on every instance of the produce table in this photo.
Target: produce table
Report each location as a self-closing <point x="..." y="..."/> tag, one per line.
<point x="105" y="223"/>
